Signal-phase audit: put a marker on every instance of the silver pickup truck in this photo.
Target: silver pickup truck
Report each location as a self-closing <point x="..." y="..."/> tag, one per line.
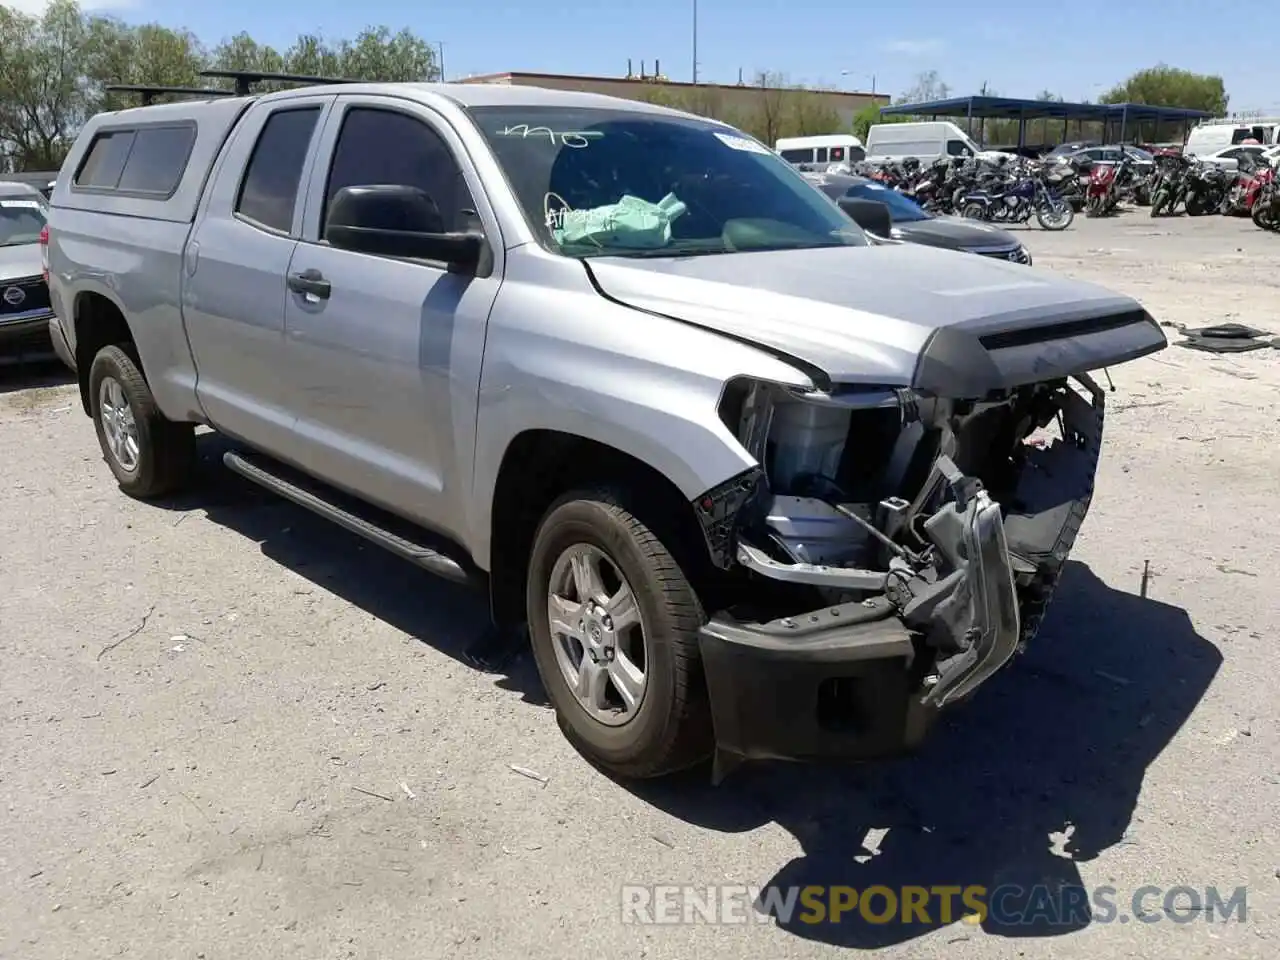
<point x="756" y="484"/>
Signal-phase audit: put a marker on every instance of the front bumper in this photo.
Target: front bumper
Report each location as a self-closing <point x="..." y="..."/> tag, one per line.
<point x="849" y="681"/>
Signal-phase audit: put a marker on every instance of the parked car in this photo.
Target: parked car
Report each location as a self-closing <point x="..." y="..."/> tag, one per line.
<point x="24" y="295"/>
<point x="1229" y="157"/>
<point x="912" y="223"/>
<point x="605" y="359"/>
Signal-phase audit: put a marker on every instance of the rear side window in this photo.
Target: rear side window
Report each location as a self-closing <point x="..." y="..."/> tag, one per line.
<point x="269" y="191"/>
<point x="105" y="160"/>
<point x="158" y="159"/>
<point x="798" y="155"/>
<point x="837" y="153"/>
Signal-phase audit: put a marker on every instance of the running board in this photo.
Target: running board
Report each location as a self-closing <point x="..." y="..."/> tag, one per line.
<point x="308" y="493"/>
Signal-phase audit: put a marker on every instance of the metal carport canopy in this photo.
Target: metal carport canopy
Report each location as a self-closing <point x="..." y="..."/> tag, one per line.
<point x="1010" y="108"/>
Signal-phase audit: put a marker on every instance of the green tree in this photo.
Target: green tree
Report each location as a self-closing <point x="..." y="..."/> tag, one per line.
<point x="43" y="100"/>
<point x="1165" y="86"/>
<point x="870" y="115"/>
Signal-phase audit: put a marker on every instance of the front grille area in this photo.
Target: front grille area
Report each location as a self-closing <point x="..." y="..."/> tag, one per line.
<point x="35" y="296"/>
<point x="1016" y="255"/>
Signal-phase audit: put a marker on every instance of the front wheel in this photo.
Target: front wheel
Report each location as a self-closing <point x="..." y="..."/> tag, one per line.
<point x="1158" y="202"/>
<point x="1055" y="215"/>
<point x="614" y="624"/>
<point x="973" y="211"/>
<point x="150" y="455"/>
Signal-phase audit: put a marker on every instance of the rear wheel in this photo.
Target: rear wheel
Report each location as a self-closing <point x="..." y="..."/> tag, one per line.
<point x="1158" y="202"/>
<point x="150" y="455"/>
<point x="973" y="211"/>
<point x="614" y="624"/>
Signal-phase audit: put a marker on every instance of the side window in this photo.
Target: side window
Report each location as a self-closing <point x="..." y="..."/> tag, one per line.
<point x="958" y="148"/>
<point x="797" y="155"/>
<point x="1232" y="154"/>
<point x="158" y="159"/>
<point x="822" y="155"/>
<point x="837" y="154"/>
<point x="269" y="191"/>
<point x="388" y="147"/>
<point x="104" y="162"/>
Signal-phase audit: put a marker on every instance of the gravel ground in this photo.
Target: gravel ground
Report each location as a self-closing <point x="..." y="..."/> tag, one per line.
<point x="232" y="731"/>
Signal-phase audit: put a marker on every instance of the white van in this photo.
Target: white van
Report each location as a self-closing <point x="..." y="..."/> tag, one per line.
<point x="1214" y="135"/>
<point x="833" y="148"/>
<point x="927" y="142"/>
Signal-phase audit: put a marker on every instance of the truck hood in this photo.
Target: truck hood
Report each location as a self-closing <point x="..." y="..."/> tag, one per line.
<point x="946" y="323"/>
<point x="20" y="261"/>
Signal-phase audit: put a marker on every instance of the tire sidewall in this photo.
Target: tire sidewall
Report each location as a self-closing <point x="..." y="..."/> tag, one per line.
<point x="115" y="363"/>
<point x="591" y="522"/>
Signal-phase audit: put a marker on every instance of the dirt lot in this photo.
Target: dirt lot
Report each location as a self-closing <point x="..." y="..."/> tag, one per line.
<point x="232" y="731"/>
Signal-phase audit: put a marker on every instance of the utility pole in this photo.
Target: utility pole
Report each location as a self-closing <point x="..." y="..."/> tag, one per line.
<point x="440" y="66"/>
<point x="695" y="41"/>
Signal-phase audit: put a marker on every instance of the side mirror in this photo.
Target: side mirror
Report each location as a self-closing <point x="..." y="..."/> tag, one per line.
<point x="871" y="215"/>
<point x="395" y="220"/>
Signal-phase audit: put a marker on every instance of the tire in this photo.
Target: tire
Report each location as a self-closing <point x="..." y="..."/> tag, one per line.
<point x="670" y="727"/>
<point x="160" y="455"/>
<point x="973" y="211"/>
<point x="1158" y="202"/>
<point x="1055" y="216"/>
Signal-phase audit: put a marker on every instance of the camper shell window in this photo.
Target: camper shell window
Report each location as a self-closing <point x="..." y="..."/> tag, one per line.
<point x="144" y="161"/>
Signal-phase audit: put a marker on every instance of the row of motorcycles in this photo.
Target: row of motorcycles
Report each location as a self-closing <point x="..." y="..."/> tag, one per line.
<point x="1011" y="192"/>
<point x="1201" y="188"/>
<point x="1014" y="189"/>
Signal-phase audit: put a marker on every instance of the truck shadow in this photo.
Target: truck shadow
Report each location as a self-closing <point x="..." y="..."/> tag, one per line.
<point x="433" y="611"/>
<point x="1042" y="770"/>
<point x="18" y="372"/>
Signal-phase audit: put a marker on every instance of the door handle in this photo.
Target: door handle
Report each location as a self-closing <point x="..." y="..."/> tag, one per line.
<point x="310" y="282"/>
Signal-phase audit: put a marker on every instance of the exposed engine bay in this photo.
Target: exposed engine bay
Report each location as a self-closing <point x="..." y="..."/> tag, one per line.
<point x="958" y="515"/>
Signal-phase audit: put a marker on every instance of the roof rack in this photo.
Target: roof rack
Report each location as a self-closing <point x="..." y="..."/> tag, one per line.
<point x="149" y="92"/>
<point x="244" y="79"/>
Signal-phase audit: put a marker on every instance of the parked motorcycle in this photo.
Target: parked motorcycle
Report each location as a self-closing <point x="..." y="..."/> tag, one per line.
<point x="1016" y="201"/>
<point x="1207" y="186"/>
<point x="1243" y="186"/>
<point x="1107" y="184"/>
<point x="1265" y="207"/>
<point x="1169" y="184"/>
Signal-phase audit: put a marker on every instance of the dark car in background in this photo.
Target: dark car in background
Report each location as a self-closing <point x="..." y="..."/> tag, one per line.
<point x="913" y="224"/>
<point x="24" y="294"/>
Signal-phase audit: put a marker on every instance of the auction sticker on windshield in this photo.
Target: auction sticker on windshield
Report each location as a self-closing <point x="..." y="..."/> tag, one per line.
<point x="742" y="143"/>
<point x="19" y="204"/>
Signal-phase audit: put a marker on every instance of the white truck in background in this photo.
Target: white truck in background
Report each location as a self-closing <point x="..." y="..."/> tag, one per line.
<point x="926" y="141"/>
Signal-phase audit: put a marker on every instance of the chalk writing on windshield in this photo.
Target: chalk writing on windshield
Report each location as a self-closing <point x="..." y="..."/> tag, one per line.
<point x="574" y="139"/>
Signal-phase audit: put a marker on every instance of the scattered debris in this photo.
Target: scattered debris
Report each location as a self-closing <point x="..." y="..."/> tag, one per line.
<point x="407" y="792"/>
<point x="128" y="636"/>
<point x="662" y="840"/>
<point x="1223" y="338"/>
<point x="1146" y="578"/>
<point x="337" y="761"/>
<point x="148" y="782"/>
<point x="1118" y="680"/>
<point x="377" y="685"/>
<point x="371" y="793"/>
<point x="32" y="876"/>
<point x="531" y="774"/>
<point x="1223" y="568"/>
<point x="107" y="773"/>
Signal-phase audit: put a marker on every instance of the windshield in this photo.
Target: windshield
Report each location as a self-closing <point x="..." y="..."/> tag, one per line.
<point x="901" y="209"/>
<point x="1139" y="154"/>
<point x="21" y="220"/>
<point x="603" y="182"/>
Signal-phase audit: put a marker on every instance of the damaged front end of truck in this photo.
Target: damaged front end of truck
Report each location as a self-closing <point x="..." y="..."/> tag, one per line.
<point x="899" y="548"/>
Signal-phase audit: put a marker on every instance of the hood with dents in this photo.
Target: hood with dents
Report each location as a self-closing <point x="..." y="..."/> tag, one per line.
<point x="895" y="315"/>
<point x="20" y="261"/>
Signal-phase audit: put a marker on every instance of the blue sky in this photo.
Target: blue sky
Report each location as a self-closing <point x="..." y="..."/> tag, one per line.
<point x="1018" y="49"/>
